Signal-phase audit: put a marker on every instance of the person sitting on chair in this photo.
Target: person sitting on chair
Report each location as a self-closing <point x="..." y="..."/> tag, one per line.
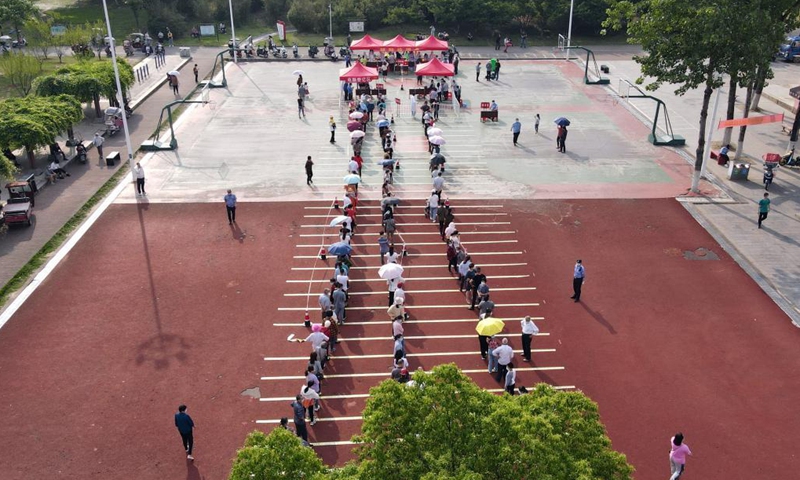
<point x="56" y="169"/>
<point x="722" y="158"/>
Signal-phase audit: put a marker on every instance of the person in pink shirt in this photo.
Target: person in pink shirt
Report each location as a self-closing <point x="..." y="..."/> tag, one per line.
<point x="677" y="456"/>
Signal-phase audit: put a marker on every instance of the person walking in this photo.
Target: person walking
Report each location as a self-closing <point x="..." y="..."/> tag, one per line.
<point x="98" y="144"/>
<point x="230" y="206"/>
<point x="504" y="354"/>
<point x="300" y="417"/>
<point x="138" y="171"/>
<point x="511" y="379"/>
<point x="536" y="121"/>
<point x="332" y="127"/>
<point x="497" y="70"/>
<point x="516" y="127"/>
<point x="529" y="329"/>
<point x="563" y="138"/>
<point x="578" y="276"/>
<point x="309" y="171"/>
<point x="301" y="109"/>
<point x="173" y="81"/>
<point x="478" y="72"/>
<point x="763" y="209"/>
<point x="185" y="425"/>
<point x="196" y="74"/>
<point x="677" y="456"/>
<point x="559" y="129"/>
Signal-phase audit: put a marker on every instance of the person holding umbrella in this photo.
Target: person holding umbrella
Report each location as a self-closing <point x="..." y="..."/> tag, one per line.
<point x="561" y="133"/>
<point x="486" y="328"/>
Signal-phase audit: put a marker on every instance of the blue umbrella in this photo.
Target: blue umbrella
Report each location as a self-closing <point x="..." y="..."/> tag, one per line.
<point x="387" y="162"/>
<point x="382" y="123"/>
<point x="561" y="121"/>
<point x="340" y="248"/>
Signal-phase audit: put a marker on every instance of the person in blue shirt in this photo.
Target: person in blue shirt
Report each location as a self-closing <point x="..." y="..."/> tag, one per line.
<point x="230" y="206"/>
<point x="516" y="127"/>
<point x="579" y="273"/>
<point x="185" y="426"/>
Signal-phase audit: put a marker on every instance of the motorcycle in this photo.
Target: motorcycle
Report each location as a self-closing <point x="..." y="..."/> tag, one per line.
<point x="330" y="53"/>
<point x="789" y="159"/>
<point x="313" y="51"/>
<point x="81" y="153"/>
<point x="769" y="174"/>
<point x="295" y="51"/>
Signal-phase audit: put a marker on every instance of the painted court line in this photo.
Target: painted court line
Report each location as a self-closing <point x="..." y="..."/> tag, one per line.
<point x="416" y="292"/>
<point x="432" y="232"/>
<point x="406" y="267"/>
<point x="422" y="244"/>
<point x="366" y="395"/>
<point x="407" y="322"/>
<point x="410" y="355"/>
<point x="400" y="207"/>
<point x="412" y="307"/>
<point x="387" y="373"/>
<point x="379" y="215"/>
<point x="332" y="419"/>
<point x="416" y="337"/>
<point x="416" y="279"/>
<point x="438" y="254"/>
<point x="410" y="224"/>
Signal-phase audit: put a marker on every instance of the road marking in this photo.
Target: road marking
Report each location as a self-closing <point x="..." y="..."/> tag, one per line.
<point x="386" y="324"/>
<point x="432" y="232"/>
<point x="406" y="267"/>
<point x="332" y="419"/>
<point x="410" y="224"/>
<point x="387" y="374"/>
<point x="421" y="244"/>
<point x="410" y="355"/>
<point x="412" y="307"/>
<point x="366" y="395"/>
<point x="379" y="215"/>
<point x="416" y="279"/>
<point x="439" y="254"/>
<point x="399" y="207"/>
<point x="504" y="289"/>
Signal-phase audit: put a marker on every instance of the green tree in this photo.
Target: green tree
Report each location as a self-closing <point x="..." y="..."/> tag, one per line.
<point x="87" y="81"/>
<point x="39" y="36"/>
<point x="16" y="12"/>
<point x="279" y="455"/>
<point x="33" y="122"/>
<point x="441" y="429"/>
<point x="136" y="7"/>
<point x="20" y="70"/>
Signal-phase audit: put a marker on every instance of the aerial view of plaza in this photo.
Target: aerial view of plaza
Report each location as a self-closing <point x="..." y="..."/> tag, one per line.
<point x="379" y="240"/>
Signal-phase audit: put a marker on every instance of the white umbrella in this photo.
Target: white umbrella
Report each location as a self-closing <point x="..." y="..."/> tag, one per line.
<point x="297" y="73"/>
<point x="357" y="134"/>
<point x="434" y="132"/>
<point x="338" y="220"/>
<point x="356" y="115"/>
<point x="174" y="73"/>
<point x="351" y="179"/>
<point x="5" y="38"/>
<point x="436" y="140"/>
<point x="390" y="271"/>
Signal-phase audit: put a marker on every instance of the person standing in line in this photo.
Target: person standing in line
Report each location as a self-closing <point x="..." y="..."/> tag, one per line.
<point x="438" y="184"/>
<point x="516" y="127"/>
<point x="486" y="307"/>
<point x="763" y="209"/>
<point x="339" y="304"/>
<point x="579" y="273"/>
<point x="139" y="173"/>
<point x="383" y="244"/>
<point x="536" y="123"/>
<point x="185" y="426"/>
<point x="300" y="417"/>
<point x="313" y="381"/>
<point x="433" y="205"/>
<point x="196" y="74"/>
<point x="325" y="303"/>
<point x="497" y="70"/>
<point x="529" y="329"/>
<point x="493" y="344"/>
<point x="475" y="282"/>
<point x="511" y="379"/>
<point x="392" y="286"/>
<point x="316" y="337"/>
<point x="230" y="206"/>
<point x="332" y="127"/>
<point x="301" y="109"/>
<point x="98" y="144"/>
<point x="309" y="171"/>
<point x="397" y="326"/>
<point x="478" y="72"/>
<point x="677" y="456"/>
<point x="504" y="354"/>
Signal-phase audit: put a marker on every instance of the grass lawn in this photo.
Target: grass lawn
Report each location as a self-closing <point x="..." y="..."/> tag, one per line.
<point x="122" y="21"/>
<point x="48" y="66"/>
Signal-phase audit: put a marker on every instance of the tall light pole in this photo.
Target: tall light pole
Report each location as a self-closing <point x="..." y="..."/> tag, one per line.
<point x="119" y="88"/>
<point x="330" y="22"/>
<point x="569" y="29"/>
<point x="233" y="33"/>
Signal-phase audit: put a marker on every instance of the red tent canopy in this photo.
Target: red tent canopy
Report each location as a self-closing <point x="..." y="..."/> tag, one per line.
<point x="358" y="73"/>
<point x="366" y="43"/>
<point x="399" y="43"/>
<point x="432" y="44"/>
<point x="435" y="68"/>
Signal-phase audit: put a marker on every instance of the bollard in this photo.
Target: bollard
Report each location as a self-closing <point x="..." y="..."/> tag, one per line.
<point x="146" y="71"/>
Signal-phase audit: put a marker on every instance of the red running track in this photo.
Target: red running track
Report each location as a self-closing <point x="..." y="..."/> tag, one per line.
<point x="163" y="305"/>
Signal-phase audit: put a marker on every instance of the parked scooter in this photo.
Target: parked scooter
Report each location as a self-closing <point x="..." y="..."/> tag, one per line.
<point x="790" y="160"/>
<point x="81" y="153"/>
<point x="313" y="51"/>
<point x="295" y="51"/>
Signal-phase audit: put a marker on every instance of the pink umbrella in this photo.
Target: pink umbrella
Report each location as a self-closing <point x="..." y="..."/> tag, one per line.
<point x="353" y="126"/>
<point x="316" y="327"/>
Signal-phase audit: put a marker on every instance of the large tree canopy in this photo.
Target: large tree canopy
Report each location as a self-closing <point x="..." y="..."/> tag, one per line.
<point x="16" y="12"/>
<point x="446" y="427"/>
<point x="34" y="122"/>
<point x="87" y="81"/>
<point x="279" y="455"/>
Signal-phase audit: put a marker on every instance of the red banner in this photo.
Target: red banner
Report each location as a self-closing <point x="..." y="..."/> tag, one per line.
<point x="739" y="122"/>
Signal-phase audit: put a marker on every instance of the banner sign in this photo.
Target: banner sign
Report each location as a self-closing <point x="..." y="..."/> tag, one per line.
<point x="356" y="26"/>
<point x="281" y="31"/>
<point x="739" y="122"/>
<point x="207" y="30"/>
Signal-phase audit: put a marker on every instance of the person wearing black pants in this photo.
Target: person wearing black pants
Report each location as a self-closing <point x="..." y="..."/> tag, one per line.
<point x="476" y="282"/>
<point x="484" y="342"/>
<point x="529" y="329"/>
<point x="578" y="276"/>
<point x="185" y="425"/>
<point x="300" y="417"/>
<point x="230" y="206"/>
<point x="309" y="171"/>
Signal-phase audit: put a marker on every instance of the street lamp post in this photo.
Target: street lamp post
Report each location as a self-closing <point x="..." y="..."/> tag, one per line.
<point x="233" y="33"/>
<point x="119" y="88"/>
<point x="330" y="21"/>
<point x="569" y="29"/>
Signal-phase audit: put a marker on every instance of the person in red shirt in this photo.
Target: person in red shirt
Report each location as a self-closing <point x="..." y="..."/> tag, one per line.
<point x="360" y="161"/>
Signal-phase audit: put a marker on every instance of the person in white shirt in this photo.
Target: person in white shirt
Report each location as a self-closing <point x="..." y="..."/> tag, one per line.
<point x="529" y="329"/>
<point x="98" y="144"/>
<point x="352" y="167"/>
<point x="138" y="171"/>
<point x="316" y="339"/>
<point x="400" y="293"/>
<point x="438" y="183"/>
<point x="397" y="326"/>
<point x="504" y="354"/>
<point x="344" y="280"/>
<point x="392" y="256"/>
<point x="310" y="399"/>
<point x="325" y="303"/>
<point x="511" y="379"/>
<point x="433" y="205"/>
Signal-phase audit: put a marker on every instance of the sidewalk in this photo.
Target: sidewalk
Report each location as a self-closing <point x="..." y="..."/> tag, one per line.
<point x="57" y="203"/>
